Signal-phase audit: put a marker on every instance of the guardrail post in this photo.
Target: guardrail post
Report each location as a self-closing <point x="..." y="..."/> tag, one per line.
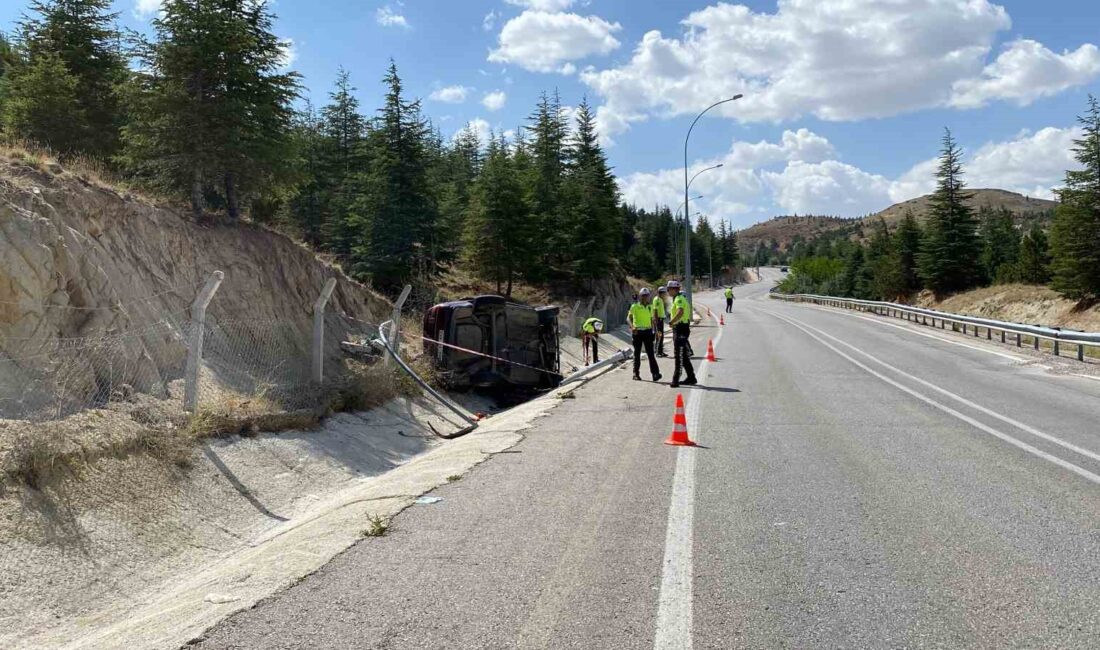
<point x="1003" y="336"/>
<point x="1057" y="348"/>
<point x="197" y="334"/>
<point x="1080" y="351"/>
<point x="396" y="342"/>
<point x="1036" y="342"/>
<point x="988" y="334"/>
<point x="319" y="330"/>
<point x="1019" y="340"/>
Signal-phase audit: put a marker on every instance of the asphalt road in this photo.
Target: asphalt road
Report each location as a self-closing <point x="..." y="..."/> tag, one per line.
<point x="861" y="484"/>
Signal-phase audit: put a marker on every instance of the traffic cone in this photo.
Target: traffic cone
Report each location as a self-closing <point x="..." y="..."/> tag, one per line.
<point x="710" y="351"/>
<point x="721" y="319"/>
<point x="679" y="437"/>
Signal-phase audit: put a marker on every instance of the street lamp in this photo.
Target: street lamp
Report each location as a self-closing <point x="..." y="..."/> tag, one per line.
<point x="687" y="184"/>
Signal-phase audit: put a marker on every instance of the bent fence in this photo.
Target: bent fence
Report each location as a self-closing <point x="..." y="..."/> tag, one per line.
<point x="1034" y="335"/>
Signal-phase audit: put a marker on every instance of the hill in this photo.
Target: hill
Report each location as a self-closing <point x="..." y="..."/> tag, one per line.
<point x="787" y="229"/>
<point x="1023" y="206"/>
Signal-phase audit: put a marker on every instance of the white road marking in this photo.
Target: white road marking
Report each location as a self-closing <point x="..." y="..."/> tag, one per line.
<point x="674" y="602"/>
<point x="1080" y="471"/>
<point x="1004" y="355"/>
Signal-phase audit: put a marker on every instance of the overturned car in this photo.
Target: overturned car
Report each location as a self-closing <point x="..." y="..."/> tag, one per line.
<point x="489" y="342"/>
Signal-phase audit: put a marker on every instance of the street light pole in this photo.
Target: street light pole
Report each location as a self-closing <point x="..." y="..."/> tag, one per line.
<point x="687" y="184"/>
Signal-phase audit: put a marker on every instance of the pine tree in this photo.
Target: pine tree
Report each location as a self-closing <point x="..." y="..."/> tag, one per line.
<point x="306" y="208"/>
<point x="593" y="196"/>
<point x="212" y="112"/>
<point x="1033" y="266"/>
<point x="344" y="157"/>
<point x="951" y="248"/>
<point x="1075" y="235"/>
<point x="544" y="185"/>
<point x="1000" y="243"/>
<point x="397" y="211"/>
<point x="907" y="242"/>
<point x="40" y="104"/>
<point x="77" y="42"/>
<point x="461" y="166"/>
<point x="496" y="238"/>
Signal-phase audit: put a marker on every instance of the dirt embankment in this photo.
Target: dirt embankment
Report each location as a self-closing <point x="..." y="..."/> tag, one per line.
<point x="1021" y="303"/>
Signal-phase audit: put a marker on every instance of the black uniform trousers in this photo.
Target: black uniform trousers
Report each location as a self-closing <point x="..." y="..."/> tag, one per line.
<point x="644" y="339"/>
<point x="681" y="349"/>
<point x="729" y="305"/>
<point x="592" y="342"/>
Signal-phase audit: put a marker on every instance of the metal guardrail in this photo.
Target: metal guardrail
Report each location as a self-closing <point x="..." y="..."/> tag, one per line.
<point x="921" y="315"/>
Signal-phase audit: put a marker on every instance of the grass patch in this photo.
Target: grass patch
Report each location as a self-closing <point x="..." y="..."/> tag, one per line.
<point x="377" y="526"/>
<point x="453" y="477"/>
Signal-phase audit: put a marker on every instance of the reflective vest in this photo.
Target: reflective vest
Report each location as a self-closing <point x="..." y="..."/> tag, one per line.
<point x="589" y="326"/>
<point x="729" y="292"/>
<point x="658" y="308"/>
<point x="642" y="316"/>
<point x="681" y="302"/>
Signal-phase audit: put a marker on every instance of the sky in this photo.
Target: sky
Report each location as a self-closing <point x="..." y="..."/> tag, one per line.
<point x="844" y="106"/>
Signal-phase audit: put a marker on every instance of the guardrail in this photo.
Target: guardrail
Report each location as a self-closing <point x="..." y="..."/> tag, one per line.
<point x="1036" y="333"/>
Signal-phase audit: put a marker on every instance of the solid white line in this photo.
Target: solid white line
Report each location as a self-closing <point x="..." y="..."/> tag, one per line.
<point x="674" y="602"/>
<point x="958" y="398"/>
<point x="879" y="321"/>
<point x="1080" y="471"/>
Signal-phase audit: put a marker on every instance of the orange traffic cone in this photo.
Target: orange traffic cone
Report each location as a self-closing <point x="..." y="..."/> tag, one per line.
<point x="710" y="351"/>
<point x="721" y="319"/>
<point x="679" y="437"/>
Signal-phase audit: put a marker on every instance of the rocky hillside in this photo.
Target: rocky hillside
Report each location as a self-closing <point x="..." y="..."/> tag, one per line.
<point x="82" y="263"/>
<point x="786" y="230"/>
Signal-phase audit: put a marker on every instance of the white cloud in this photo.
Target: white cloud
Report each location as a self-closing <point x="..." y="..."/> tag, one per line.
<point x="541" y="41"/>
<point x="144" y="9"/>
<point x="490" y="21"/>
<point x="289" y="53"/>
<point x="494" y="101"/>
<point x="833" y="59"/>
<point x="1026" y="71"/>
<point x="481" y="128"/>
<point x="450" y="94"/>
<point x="387" y="16"/>
<point x="800" y="174"/>
<point x="542" y="5"/>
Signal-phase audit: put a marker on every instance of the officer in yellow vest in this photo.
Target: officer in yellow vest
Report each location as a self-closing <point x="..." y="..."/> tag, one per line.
<point x="681" y="332"/>
<point x="590" y="337"/>
<point x="660" y="313"/>
<point x="640" y="319"/>
<point x="729" y="300"/>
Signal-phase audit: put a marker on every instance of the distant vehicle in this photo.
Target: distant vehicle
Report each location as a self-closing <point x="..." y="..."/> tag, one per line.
<point x="496" y="343"/>
<point x="784" y="270"/>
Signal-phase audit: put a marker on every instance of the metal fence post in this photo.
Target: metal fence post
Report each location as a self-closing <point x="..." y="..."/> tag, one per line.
<point x="573" y="318"/>
<point x="197" y="334"/>
<point x="396" y="342"/>
<point x="319" y="330"/>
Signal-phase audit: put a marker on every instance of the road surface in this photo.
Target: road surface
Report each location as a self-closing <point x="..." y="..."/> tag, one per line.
<point x="861" y="484"/>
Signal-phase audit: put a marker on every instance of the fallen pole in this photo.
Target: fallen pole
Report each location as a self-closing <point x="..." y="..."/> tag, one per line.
<point x="621" y="356"/>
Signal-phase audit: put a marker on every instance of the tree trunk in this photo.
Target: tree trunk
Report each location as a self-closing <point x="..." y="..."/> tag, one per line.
<point x="232" y="202"/>
<point x="196" y="195"/>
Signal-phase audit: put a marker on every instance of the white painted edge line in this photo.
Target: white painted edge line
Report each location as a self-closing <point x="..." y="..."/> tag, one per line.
<point x="677" y="594"/>
<point x="1080" y="471"/>
<point x="879" y="321"/>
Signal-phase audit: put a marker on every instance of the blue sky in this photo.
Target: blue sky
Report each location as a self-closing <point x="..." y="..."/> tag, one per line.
<point x="845" y="100"/>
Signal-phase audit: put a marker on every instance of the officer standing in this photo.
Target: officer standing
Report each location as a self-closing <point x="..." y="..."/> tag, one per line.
<point x="640" y="319"/>
<point x="729" y="300"/>
<point x="660" y="311"/>
<point x="590" y="335"/>
<point x="681" y="332"/>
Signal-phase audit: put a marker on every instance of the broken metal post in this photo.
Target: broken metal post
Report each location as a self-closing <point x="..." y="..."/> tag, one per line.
<point x="319" y="330"/>
<point x="395" y="344"/>
<point x="196" y="335"/>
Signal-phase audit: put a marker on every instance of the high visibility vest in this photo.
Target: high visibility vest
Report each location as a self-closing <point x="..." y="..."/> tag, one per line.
<point x="729" y="292"/>
<point x="681" y="302"/>
<point x="657" y="307"/>
<point x="589" y="326"/>
<point x="642" y="316"/>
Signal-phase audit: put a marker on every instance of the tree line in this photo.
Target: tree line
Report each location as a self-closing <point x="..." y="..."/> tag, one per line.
<point x="959" y="248"/>
<point x="206" y="111"/>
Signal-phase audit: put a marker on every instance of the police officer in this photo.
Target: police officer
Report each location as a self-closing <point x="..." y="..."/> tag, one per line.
<point x="660" y="311"/>
<point x="681" y="332"/>
<point x="640" y="319"/>
<point x="729" y="300"/>
<point x="590" y="331"/>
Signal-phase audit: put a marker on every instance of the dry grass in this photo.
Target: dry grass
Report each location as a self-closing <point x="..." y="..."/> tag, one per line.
<point x="1021" y="303"/>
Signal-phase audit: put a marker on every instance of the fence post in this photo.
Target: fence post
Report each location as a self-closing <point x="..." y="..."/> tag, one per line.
<point x="603" y="311"/>
<point x="194" y="347"/>
<point x="573" y="318"/>
<point x="319" y="330"/>
<point x="396" y="342"/>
